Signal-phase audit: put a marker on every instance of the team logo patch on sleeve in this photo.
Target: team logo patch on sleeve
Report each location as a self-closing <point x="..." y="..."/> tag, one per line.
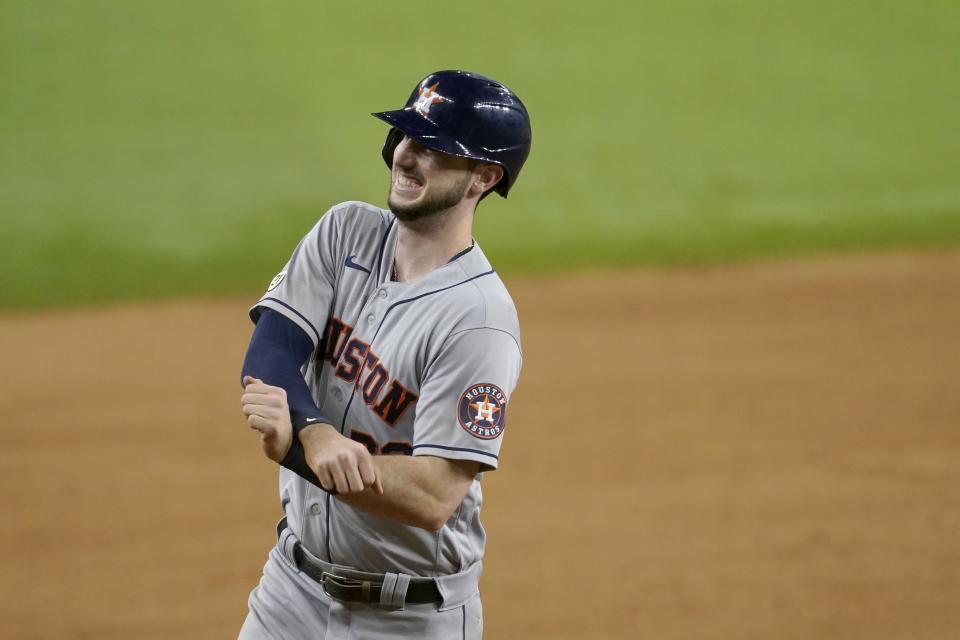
<point x="277" y="279"/>
<point x="482" y="410"/>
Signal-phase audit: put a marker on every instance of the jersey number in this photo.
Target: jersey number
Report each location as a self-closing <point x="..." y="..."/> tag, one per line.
<point x="393" y="447"/>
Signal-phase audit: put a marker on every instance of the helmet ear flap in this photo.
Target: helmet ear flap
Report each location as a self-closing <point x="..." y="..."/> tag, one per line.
<point x="394" y="137"/>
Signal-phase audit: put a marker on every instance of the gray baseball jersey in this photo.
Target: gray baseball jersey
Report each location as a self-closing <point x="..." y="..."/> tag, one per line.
<point x="425" y="368"/>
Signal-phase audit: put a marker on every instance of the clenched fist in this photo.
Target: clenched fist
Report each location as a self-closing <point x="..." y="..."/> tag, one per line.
<point x="339" y="462"/>
<point x="267" y="412"/>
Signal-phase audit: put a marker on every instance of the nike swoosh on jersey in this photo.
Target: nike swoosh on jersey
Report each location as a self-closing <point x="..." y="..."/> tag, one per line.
<point x="353" y="265"/>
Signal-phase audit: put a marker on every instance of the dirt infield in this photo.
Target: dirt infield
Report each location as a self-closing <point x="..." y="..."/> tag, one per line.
<point x="765" y="451"/>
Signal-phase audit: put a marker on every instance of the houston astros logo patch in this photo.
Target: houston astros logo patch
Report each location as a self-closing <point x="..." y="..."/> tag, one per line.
<point x="481" y="410"/>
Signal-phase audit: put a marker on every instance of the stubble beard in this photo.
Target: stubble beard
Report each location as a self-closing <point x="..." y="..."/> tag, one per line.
<point x="431" y="205"/>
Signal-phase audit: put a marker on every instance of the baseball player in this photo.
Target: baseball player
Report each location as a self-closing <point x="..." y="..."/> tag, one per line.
<point x="379" y="375"/>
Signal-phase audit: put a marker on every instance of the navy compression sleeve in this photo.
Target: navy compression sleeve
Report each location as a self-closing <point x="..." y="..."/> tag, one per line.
<point x="277" y="350"/>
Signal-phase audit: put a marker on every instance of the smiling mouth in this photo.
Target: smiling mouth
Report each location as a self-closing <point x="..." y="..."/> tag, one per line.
<point x="407" y="184"/>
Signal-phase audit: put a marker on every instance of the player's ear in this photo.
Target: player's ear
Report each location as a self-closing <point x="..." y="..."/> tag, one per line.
<point x="486" y="176"/>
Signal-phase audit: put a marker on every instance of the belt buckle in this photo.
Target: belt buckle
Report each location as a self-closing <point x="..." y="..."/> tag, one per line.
<point x="360" y="589"/>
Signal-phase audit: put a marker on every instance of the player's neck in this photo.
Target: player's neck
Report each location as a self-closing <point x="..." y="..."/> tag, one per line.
<point x="428" y="244"/>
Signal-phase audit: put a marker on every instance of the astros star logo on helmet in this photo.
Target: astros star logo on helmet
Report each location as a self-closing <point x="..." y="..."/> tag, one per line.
<point x="428" y="97"/>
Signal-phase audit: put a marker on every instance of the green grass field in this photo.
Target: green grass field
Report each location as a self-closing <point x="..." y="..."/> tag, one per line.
<point x="182" y="148"/>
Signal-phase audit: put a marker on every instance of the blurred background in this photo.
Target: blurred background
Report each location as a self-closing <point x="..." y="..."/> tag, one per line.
<point x="193" y="142"/>
<point x="755" y="204"/>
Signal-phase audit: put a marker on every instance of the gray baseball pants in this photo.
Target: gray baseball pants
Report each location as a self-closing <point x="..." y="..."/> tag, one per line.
<point x="289" y="605"/>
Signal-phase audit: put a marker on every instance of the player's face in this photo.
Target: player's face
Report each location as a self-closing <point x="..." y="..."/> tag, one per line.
<point x="424" y="181"/>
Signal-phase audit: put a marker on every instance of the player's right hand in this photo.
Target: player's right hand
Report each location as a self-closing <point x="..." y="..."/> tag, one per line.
<point x="339" y="462"/>
<point x="266" y="409"/>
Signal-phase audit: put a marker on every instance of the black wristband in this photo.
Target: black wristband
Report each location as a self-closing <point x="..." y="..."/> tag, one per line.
<point x="296" y="461"/>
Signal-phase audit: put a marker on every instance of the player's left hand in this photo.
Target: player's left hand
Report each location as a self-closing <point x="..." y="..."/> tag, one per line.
<point x="267" y="412"/>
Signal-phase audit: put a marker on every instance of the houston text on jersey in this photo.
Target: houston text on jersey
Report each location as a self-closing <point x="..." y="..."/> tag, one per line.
<point x="356" y="363"/>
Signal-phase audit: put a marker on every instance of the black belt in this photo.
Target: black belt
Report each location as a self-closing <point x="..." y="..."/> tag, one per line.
<point x="353" y="590"/>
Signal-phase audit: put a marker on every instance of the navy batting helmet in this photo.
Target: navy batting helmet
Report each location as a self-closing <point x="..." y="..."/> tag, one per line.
<point x="464" y="114"/>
